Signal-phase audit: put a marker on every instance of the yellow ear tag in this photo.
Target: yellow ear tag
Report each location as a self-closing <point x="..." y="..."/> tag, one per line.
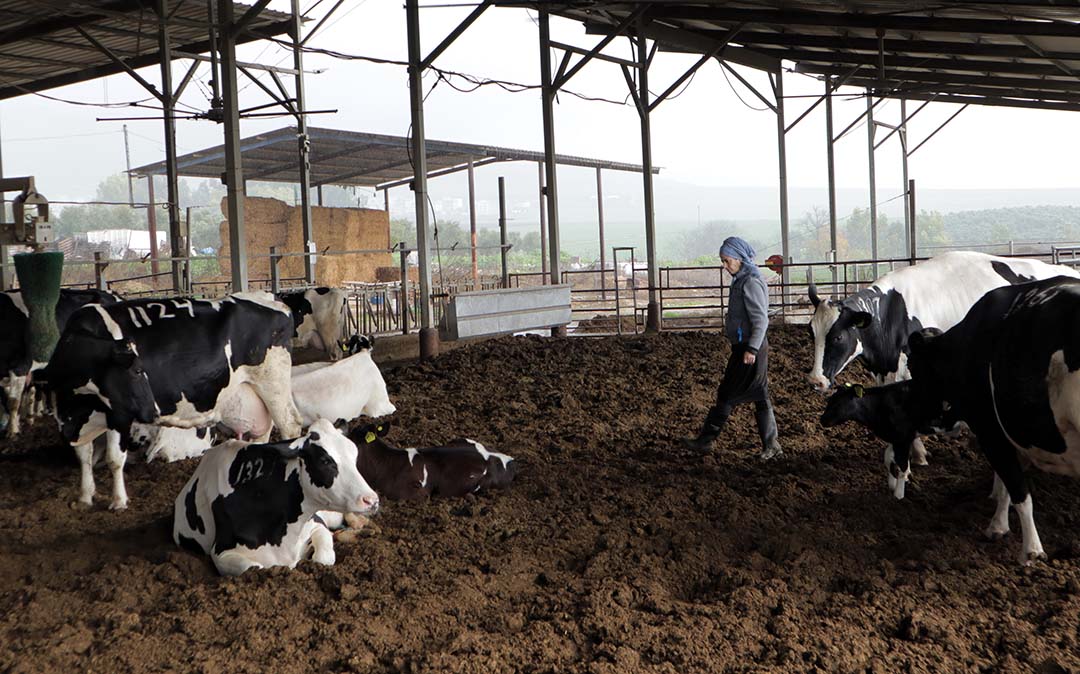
<point x="369" y="438"/>
<point x="344" y="346"/>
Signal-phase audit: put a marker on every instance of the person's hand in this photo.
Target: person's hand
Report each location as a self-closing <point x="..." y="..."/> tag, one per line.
<point x="749" y="357"/>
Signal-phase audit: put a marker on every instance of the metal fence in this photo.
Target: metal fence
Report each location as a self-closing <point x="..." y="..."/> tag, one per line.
<point x="606" y="301"/>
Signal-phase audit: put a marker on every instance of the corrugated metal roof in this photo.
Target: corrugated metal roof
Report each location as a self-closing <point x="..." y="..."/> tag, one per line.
<point x="1022" y="53"/>
<point x="354" y="158"/>
<point x="41" y="46"/>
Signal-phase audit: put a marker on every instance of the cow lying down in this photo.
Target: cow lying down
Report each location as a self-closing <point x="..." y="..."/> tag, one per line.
<point x="458" y="468"/>
<point x="340" y="391"/>
<point x="255" y="505"/>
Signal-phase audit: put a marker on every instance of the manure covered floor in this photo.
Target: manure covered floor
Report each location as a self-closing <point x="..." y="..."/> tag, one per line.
<point x="614" y="551"/>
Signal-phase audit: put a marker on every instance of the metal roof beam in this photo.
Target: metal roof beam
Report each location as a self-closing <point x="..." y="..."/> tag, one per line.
<point x="692" y="41"/>
<point x="996" y="101"/>
<point x="455" y="34"/>
<point x="31" y="29"/>
<point x="898" y="45"/>
<point x="332" y="180"/>
<point x="105" y="69"/>
<point x="936" y="24"/>
<point x="915" y="62"/>
<point x="868" y="77"/>
<point x="120" y="62"/>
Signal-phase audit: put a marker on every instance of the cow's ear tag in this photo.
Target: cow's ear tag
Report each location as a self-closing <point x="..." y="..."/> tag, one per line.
<point x="369" y="437"/>
<point x="859" y="390"/>
<point x="344" y="345"/>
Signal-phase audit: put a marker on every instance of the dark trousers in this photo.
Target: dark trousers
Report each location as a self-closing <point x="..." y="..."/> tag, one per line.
<point x="744" y="383"/>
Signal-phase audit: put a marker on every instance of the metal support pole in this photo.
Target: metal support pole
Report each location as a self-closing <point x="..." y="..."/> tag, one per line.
<point x="912" y="236"/>
<point x="275" y="276"/>
<point x="429" y="336"/>
<point x="172" y="185"/>
<point x="403" y="308"/>
<point x="543" y="225"/>
<point x="386" y="201"/>
<point x="870" y="129"/>
<point x="831" y="161"/>
<point x="234" y="172"/>
<point x="127" y="161"/>
<point x="781" y="143"/>
<point x="502" y="232"/>
<point x="904" y="159"/>
<point x="318" y="195"/>
<point x="652" y="320"/>
<point x="186" y="284"/>
<point x="303" y="143"/>
<point x="472" y="227"/>
<point x="7" y="277"/>
<point x="151" y="222"/>
<point x="548" y="97"/>
<point x="600" y="220"/>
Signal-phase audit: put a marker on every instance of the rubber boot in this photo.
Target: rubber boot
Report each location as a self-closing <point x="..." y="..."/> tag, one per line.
<point x="766" y="423"/>
<point x="710" y="430"/>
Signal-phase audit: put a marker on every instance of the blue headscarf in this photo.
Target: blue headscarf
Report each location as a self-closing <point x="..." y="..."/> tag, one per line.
<point x="739" y="249"/>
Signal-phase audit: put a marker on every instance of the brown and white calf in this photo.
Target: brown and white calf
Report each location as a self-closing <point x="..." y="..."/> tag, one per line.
<point x="458" y="468"/>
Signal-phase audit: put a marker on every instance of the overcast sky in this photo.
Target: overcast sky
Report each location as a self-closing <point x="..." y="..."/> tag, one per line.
<point x="706" y="136"/>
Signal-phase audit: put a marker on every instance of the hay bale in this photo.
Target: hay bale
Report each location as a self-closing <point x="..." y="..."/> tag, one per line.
<point x="270" y="222"/>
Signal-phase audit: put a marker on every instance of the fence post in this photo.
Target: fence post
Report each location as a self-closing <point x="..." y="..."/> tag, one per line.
<point x="99" y="272"/>
<point x="403" y="308"/>
<point x="502" y="231"/>
<point x="1012" y="249"/>
<point x="275" y="282"/>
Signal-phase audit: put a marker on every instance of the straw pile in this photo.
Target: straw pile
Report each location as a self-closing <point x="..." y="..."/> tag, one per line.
<point x="270" y="222"/>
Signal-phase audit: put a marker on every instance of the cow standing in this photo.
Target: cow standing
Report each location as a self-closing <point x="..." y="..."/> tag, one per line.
<point x="15" y="362"/>
<point x="873" y="324"/>
<point x="458" y="468"/>
<point x="172" y="362"/>
<point x="319" y="316"/>
<point x="255" y="506"/>
<point x="1011" y="371"/>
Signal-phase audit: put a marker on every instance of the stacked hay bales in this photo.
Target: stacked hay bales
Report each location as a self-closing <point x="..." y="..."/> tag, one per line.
<point x="270" y="222"/>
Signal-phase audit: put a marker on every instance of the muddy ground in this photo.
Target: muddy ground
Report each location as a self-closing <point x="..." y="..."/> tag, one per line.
<point x="614" y="551"/>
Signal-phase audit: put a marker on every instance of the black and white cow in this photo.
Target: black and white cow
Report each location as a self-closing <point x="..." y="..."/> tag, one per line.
<point x="255" y="505"/>
<point x="175" y="362"/>
<point x="458" y="468"/>
<point x="1011" y="371"/>
<point x="15" y="361"/>
<point x="873" y="324"/>
<point x="894" y="413"/>
<point x="340" y="391"/>
<point x="319" y="316"/>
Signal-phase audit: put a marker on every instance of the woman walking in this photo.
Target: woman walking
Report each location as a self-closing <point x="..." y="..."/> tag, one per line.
<point x="746" y="378"/>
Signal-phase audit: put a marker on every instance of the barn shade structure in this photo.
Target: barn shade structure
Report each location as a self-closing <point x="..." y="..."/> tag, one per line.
<point x="1021" y="53"/>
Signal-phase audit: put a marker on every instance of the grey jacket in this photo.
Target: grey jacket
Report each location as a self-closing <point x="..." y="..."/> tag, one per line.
<point x="748" y="309"/>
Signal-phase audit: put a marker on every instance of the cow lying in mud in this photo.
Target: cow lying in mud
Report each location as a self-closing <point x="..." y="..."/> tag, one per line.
<point x="255" y="505"/>
<point x="458" y="468"/>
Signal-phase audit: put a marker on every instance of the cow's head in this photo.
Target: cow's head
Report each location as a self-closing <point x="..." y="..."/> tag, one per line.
<point x="104" y="371"/>
<point x="924" y="355"/>
<point x="402" y="474"/>
<point x="836" y="330"/>
<point x="330" y="310"/>
<point x="355" y="344"/>
<point x="329" y="476"/>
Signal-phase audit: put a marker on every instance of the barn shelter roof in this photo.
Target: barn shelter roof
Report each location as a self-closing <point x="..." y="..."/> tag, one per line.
<point x="355" y="158"/>
<point x="1019" y="53"/>
<point x="52" y="43"/>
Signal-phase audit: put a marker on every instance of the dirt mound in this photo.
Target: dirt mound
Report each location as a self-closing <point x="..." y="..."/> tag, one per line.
<point x="614" y="551"/>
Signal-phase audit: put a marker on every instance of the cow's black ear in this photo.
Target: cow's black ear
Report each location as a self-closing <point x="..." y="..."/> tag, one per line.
<point x="382" y="429"/>
<point x="814" y="298"/>
<point x="289" y="449"/>
<point x="862" y="319"/>
<point x="919" y="338"/>
<point x="122" y="354"/>
<point x="859" y="390"/>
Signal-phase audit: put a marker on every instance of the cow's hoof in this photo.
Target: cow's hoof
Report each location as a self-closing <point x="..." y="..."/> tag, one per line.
<point x="1029" y="558"/>
<point x="995" y="535"/>
<point x="920" y="461"/>
<point x="355" y="521"/>
<point x="118" y="505"/>
<point x="81" y="505"/>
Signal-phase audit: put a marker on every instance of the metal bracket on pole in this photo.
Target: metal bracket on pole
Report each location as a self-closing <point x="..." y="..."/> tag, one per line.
<point x="30" y="215"/>
<point x="559" y="82"/>
<point x="896" y="129"/>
